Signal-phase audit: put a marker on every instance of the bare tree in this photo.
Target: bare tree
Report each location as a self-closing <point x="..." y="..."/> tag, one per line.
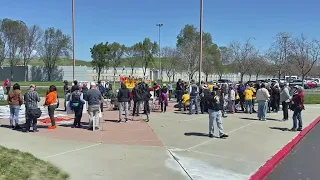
<point x="259" y="66"/>
<point x="242" y="54"/>
<point x="54" y="45"/>
<point x="305" y="54"/>
<point x="170" y="61"/>
<point x="29" y="47"/>
<point x="2" y="51"/>
<point x="278" y="53"/>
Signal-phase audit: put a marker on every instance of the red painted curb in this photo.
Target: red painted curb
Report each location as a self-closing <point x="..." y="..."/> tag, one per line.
<point x="272" y="163"/>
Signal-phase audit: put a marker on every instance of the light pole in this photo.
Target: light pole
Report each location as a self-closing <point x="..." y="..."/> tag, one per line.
<point x="73" y="40"/>
<point x="285" y="38"/>
<point x="160" y="25"/>
<point x="201" y="26"/>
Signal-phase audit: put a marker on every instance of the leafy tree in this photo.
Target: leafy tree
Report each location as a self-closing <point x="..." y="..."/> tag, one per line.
<point x="188" y="44"/>
<point x="12" y="38"/>
<point x="147" y="50"/>
<point x="30" y="42"/>
<point x="131" y="54"/>
<point x="53" y="45"/>
<point x="2" y="51"/>
<point x="211" y="60"/>
<point x="115" y="54"/>
<point x="99" y="55"/>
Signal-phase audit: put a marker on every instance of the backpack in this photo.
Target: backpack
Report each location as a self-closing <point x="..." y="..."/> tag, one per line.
<point x="140" y="92"/>
<point x="194" y="90"/>
<point x="102" y="89"/>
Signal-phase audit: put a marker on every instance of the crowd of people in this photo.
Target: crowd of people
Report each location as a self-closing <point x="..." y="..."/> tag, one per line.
<point x="215" y="99"/>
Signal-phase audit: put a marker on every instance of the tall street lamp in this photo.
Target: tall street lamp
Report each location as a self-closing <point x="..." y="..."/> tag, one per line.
<point x="160" y="25"/>
<point x="73" y="40"/>
<point x="201" y="27"/>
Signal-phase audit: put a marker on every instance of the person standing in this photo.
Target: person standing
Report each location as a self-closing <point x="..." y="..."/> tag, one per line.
<point x="298" y="101"/>
<point x="76" y="102"/>
<point x="179" y="93"/>
<point x="164" y="98"/>
<point x="205" y="92"/>
<point x="123" y="100"/>
<point x="248" y="99"/>
<point x="137" y="99"/>
<point x="66" y="94"/>
<point x="146" y="98"/>
<point x="232" y="99"/>
<point x="214" y="109"/>
<point x="170" y="91"/>
<point x="94" y="99"/>
<point x="285" y="100"/>
<point x="52" y="102"/>
<point x="262" y="98"/>
<point x="31" y="99"/>
<point x="275" y="98"/>
<point x="15" y="100"/>
<point x="103" y="92"/>
<point x="7" y="84"/>
<point x="194" y="95"/>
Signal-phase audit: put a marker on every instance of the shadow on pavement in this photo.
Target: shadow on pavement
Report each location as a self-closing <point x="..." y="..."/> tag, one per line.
<point x="195" y="134"/>
<point x="256" y="119"/>
<point x="279" y="128"/>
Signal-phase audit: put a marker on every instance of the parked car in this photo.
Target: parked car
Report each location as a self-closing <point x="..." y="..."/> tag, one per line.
<point x="312" y="84"/>
<point x="222" y="81"/>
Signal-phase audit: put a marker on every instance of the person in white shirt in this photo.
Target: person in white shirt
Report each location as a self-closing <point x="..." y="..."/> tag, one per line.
<point x="232" y="99"/>
<point x="262" y="97"/>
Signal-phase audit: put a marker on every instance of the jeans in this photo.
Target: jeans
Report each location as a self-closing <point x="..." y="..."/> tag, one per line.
<point x="77" y="115"/>
<point x="262" y="109"/>
<point x="146" y="107"/>
<point x="285" y="107"/>
<point x="249" y="106"/>
<point x="136" y="107"/>
<point x="231" y="105"/>
<point x="297" y="116"/>
<point x="51" y="109"/>
<point x="123" y="106"/>
<point x="215" y="115"/>
<point x="14" y="114"/>
<point x="163" y="107"/>
<point x="93" y="111"/>
<point x="203" y="106"/>
<point x="253" y="102"/>
<point x="193" y="101"/>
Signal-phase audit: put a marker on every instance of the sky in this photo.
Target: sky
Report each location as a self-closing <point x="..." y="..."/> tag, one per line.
<point x="130" y="21"/>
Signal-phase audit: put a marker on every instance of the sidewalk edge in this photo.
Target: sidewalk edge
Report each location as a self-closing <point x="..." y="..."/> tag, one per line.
<point x="272" y="163"/>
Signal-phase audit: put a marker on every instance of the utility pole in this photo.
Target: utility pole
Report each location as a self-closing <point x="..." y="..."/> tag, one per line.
<point x="201" y="26"/>
<point x="73" y="41"/>
<point x="285" y="39"/>
<point x="160" y="25"/>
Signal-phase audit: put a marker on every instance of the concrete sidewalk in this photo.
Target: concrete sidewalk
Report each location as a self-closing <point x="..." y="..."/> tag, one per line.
<point x="187" y="151"/>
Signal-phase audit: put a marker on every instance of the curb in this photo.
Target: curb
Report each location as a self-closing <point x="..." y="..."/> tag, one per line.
<point x="272" y="163"/>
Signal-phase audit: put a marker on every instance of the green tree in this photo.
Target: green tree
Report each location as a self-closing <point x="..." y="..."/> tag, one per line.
<point x="188" y="44"/>
<point x="131" y="55"/>
<point x="211" y="59"/>
<point x="13" y="37"/>
<point x="99" y="55"/>
<point x="115" y="55"/>
<point x="146" y="51"/>
<point x="53" y="46"/>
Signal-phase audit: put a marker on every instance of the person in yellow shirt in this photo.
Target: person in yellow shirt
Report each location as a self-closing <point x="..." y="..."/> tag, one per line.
<point x="253" y="89"/>
<point x="211" y="87"/>
<point x="248" y="96"/>
<point x="186" y="100"/>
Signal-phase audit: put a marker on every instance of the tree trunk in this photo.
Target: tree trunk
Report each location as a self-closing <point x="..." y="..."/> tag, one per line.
<point x="279" y="75"/>
<point x="206" y="78"/>
<point x="26" y="78"/>
<point x="132" y="68"/>
<point x="11" y="72"/>
<point x="220" y="76"/>
<point x="99" y="73"/>
<point x="241" y="77"/>
<point x="250" y="77"/>
<point x="257" y="76"/>
<point x="173" y="77"/>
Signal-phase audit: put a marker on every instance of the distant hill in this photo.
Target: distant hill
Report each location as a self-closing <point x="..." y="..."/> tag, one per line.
<point x="61" y="62"/>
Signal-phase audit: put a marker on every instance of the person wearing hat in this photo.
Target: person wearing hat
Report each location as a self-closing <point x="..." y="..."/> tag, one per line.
<point x="164" y="98"/>
<point x="94" y="99"/>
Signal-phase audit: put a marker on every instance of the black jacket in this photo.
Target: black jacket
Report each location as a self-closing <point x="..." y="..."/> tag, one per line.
<point x="123" y="94"/>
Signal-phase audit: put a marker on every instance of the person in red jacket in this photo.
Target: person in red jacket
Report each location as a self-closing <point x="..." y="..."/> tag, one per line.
<point x="7" y="84"/>
<point x="298" y="103"/>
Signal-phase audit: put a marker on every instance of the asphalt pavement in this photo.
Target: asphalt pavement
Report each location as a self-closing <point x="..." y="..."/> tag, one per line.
<point x="303" y="162"/>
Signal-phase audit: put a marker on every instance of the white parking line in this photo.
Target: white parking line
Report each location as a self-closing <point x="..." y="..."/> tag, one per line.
<point x="205" y="142"/>
<point x="78" y="149"/>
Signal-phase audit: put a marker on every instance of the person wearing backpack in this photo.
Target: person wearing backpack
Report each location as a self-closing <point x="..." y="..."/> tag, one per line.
<point x="76" y="102"/>
<point x="214" y="110"/>
<point x="194" y="95"/>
